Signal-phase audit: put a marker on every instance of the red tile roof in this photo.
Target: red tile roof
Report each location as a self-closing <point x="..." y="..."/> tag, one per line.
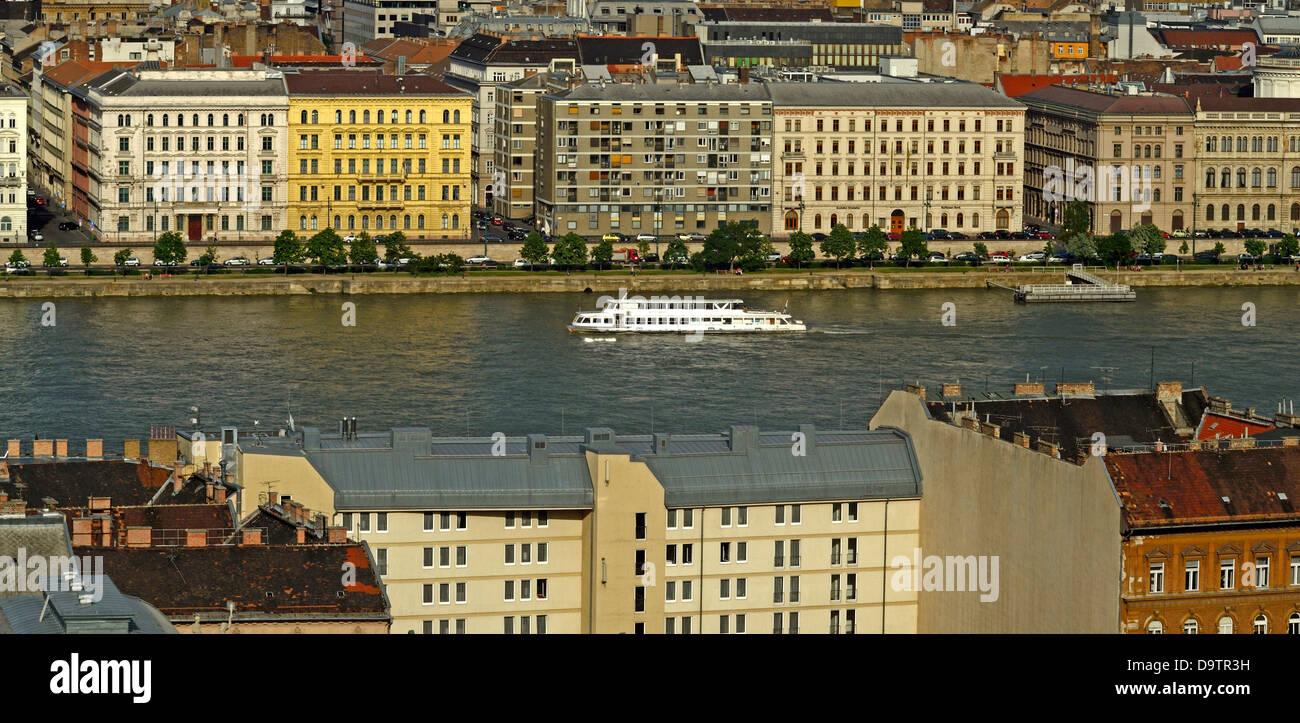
<point x="176" y="517"/>
<point x="71" y="484"/>
<point x="1220" y="426"/>
<point x="1017" y="85"/>
<point x="1227" y="62"/>
<point x="1193" y="486"/>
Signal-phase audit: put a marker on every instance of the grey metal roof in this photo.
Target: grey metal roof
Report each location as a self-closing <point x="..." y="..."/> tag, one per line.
<point x="126" y="84"/>
<point x="742" y="466"/>
<point x="667" y="92"/>
<point x="27" y="614"/>
<point x="958" y="94"/>
<point x="840" y="466"/>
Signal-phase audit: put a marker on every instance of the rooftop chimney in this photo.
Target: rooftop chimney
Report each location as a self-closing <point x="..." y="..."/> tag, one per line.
<point x="177" y="480"/>
<point x="338" y="535"/>
<point x="1035" y="388"/>
<point x="950" y="390"/>
<point x="196" y="538"/>
<point x="916" y="389"/>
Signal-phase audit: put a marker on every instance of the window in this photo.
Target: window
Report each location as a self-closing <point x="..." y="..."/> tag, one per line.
<point x="1192" y="576"/>
<point x="780" y="514"/>
<point x="363" y="522"/>
<point x="461" y="591"/>
<point x="672" y="519"/>
<point x="381" y="522"/>
<point x="541" y="553"/>
<point x="776" y="622"/>
<point x="1189" y="627"/>
<point x="444" y="556"/>
<point x="670" y="555"/>
<point x="510" y="591"/>
<point x="640" y="525"/>
<point x="525" y="553"/>
<point x="1261" y="572"/>
<point x="794" y="553"/>
<point x="778" y="557"/>
<point x="428" y="594"/>
<point x="1295" y="569"/>
<point x="510" y="554"/>
<point x="1225" y="625"/>
<point x="1157" y="578"/>
<point x="724" y="552"/>
<point x="688" y="519"/>
<point x="446" y="517"/>
<point x="687" y="555"/>
<point x="837" y="512"/>
<point x="742" y="552"/>
<point x="1155" y="627"/>
<point x="795" y="514"/>
<point x="510" y="520"/>
<point x="1261" y="625"/>
<point x="1227" y="573"/>
<point x="462" y="556"/>
<point x="381" y="559"/>
<point x="444" y="593"/>
<point x="543" y="519"/>
<point x="726" y="517"/>
<point x="462" y="520"/>
<point x="853" y="512"/>
<point x="742" y="517"/>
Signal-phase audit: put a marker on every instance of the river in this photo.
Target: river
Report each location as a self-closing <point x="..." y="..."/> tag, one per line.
<point x="478" y="364"/>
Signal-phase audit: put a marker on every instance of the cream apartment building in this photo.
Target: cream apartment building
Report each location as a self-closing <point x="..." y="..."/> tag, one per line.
<point x="516" y="145"/>
<point x="742" y="532"/>
<point x="13" y="164"/>
<point x="898" y="154"/>
<point x="201" y="152"/>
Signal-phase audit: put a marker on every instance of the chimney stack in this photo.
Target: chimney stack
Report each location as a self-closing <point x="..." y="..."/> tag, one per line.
<point x="15" y="448"/>
<point x="196" y="538"/>
<point x="177" y="481"/>
<point x="94" y="448"/>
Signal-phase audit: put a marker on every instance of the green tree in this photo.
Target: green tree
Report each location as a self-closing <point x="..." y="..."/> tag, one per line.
<point x="1183" y="249"/>
<point x="981" y="250"/>
<point x="326" y="248"/>
<point x="16" y="258"/>
<point x="873" y="242"/>
<point x="395" y="247"/>
<point x="731" y="242"/>
<point x="534" y="250"/>
<point x="169" y="248"/>
<point x="363" y="250"/>
<point x="570" y="250"/>
<point x="451" y="263"/>
<point x="912" y="244"/>
<point x="643" y="248"/>
<point x="1288" y="246"/>
<point x="602" y="253"/>
<point x="1255" y="247"/>
<point x="1082" y="245"/>
<point x="1076" y="220"/>
<point x="839" y="244"/>
<point x="1115" y="248"/>
<point x="88" y="256"/>
<point x="1219" y="248"/>
<point x="801" y="249"/>
<point x="288" y="248"/>
<point x="52" y="255"/>
<point x="208" y="257"/>
<point x="677" y="253"/>
<point x="1146" y="238"/>
<point x="119" y="258"/>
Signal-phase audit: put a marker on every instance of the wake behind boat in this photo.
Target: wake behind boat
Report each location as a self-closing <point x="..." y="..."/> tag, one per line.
<point x="679" y="314"/>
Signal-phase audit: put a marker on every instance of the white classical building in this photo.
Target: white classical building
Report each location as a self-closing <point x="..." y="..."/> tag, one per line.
<point x="13" y="164"/>
<point x="202" y="152"/>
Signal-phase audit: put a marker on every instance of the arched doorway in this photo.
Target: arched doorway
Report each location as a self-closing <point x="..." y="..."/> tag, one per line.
<point x="896" y="221"/>
<point x="1146" y="218"/>
<point x="1176" y="222"/>
<point x="835" y="220"/>
<point x="1116" y="222"/>
<point x="791" y="220"/>
<point x="1003" y="219"/>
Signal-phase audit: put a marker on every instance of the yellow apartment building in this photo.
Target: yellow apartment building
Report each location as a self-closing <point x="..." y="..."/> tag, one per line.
<point x="740" y="532"/>
<point x="378" y="153"/>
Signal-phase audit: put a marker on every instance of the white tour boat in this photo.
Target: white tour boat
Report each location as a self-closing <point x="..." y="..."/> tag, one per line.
<point x="682" y="315"/>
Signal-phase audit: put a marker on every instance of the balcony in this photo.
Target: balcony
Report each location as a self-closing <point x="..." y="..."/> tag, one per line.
<point x="10" y="181"/>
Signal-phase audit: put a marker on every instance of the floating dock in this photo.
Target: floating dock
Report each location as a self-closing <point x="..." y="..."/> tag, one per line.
<point x="1080" y="285"/>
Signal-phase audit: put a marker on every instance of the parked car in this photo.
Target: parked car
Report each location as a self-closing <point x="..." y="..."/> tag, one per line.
<point x="957" y="236"/>
<point x="477" y="260"/>
<point x="1180" y="233"/>
<point x="1274" y="233"/>
<point x="1211" y="257"/>
<point x="1033" y="256"/>
<point x="1168" y="258"/>
<point x="498" y="221"/>
<point x="40" y="201"/>
<point x="1020" y="236"/>
<point x="37" y="236"/>
<point x="773" y="258"/>
<point x="346" y="239"/>
<point x="819" y="237"/>
<point x="1245" y="259"/>
<point x="266" y="262"/>
<point x="1000" y="257"/>
<point x="894" y="236"/>
<point x="160" y="262"/>
<point x="651" y="258"/>
<point x="69" y="226"/>
<point x="1060" y="258"/>
<point x="491" y="238"/>
<point x="237" y="261"/>
<point x="966" y="257"/>
<point x="1042" y="235"/>
<point x="133" y="261"/>
<point x="987" y="236"/>
<point x="523" y="264"/>
<point x="612" y="238"/>
<point x="646" y="237"/>
<point x="63" y="261"/>
<point x="936" y="257"/>
<point x="939" y="234"/>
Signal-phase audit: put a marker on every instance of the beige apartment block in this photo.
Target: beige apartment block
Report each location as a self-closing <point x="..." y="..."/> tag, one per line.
<point x="897" y="154"/>
<point x="743" y="532"/>
<point x="1248" y="153"/>
<point x="1131" y="158"/>
<point x="656" y="158"/>
<point x="516" y="145"/>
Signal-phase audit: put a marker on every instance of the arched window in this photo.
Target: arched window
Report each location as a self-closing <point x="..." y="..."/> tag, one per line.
<point x="1295" y="212"/>
<point x="240" y="120"/>
<point x="365" y="223"/>
<point x="336" y="222"/>
<point x="1176" y="222"/>
<point x="352" y="116"/>
<point x="455" y="116"/>
<point x="1155" y="627"/>
<point x="943" y="220"/>
<point x="408" y="117"/>
<point x="1241" y="178"/>
<point x="379" y="117"/>
<point x="1293" y="624"/>
<point x="422" y="116"/>
<point x="6" y="224"/>
<point x="165" y="117"/>
<point x="1189" y="627"/>
<point x="352" y="222"/>
<point x="835" y="219"/>
<point x="1295" y="177"/>
<point x="959" y="221"/>
<point x="1256" y="178"/>
<point x="1225" y="178"/>
<point x="1003" y="218"/>
<point x="446" y="116"/>
<point x="1116" y="222"/>
<point x="210" y="120"/>
<point x="194" y="120"/>
<point x="1272" y="178"/>
<point x="444" y="221"/>
<point x="406" y="220"/>
<point x="304" y="117"/>
<point x="848" y="223"/>
<point x="1209" y="178"/>
<point x="302" y="223"/>
<point x="792" y="219"/>
<point x="1241" y="212"/>
<point x="1272" y="212"/>
<point x="1261" y="624"/>
<point x="455" y="220"/>
<point x="392" y="221"/>
<point x="225" y="119"/>
<point x="148" y="120"/>
<point x="313" y="223"/>
<point x="379" y="222"/>
<point x="338" y="116"/>
<point x="419" y="221"/>
<point x="1209" y="212"/>
<point x="1225" y="625"/>
<point x="817" y="222"/>
<point x="393" y="118"/>
<point x="315" y="117"/>
<point x="365" y="116"/>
